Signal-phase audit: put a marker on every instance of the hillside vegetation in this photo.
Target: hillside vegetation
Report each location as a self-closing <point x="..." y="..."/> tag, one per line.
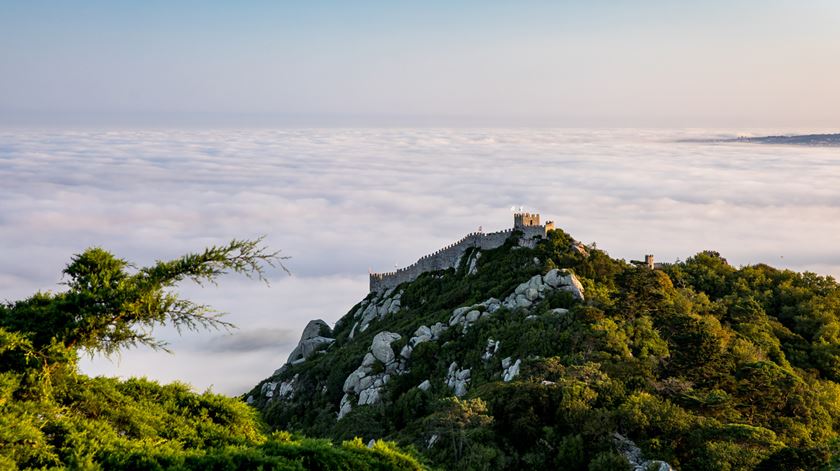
<point x="52" y="417"/>
<point x="698" y="364"/>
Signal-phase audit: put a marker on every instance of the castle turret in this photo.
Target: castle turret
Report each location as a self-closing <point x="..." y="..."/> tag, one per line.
<point x="521" y="220"/>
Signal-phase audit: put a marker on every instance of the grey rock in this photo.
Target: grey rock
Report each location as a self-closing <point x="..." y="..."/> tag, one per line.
<point x="351" y="384"/>
<point x="423" y="331"/>
<point x="381" y="346"/>
<point x="368" y="360"/>
<point x="552" y="278"/>
<point x="580" y="248"/>
<point x="457" y="380"/>
<point x="369" y="396"/>
<point x="267" y="389"/>
<point x="522" y="301"/>
<point x="310" y="341"/>
<point x="437" y="330"/>
<point x="345" y="407"/>
<point x="364" y="383"/>
<point x="307" y="347"/>
<point x="314" y="328"/>
<point x="473" y="315"/>
<point x="491" y="349"/>
<point x="574" y="286"/>
<point x="353" y="331"/>
<point x="422" y="334"/>
<point x="511" y="372"/>
<point x="287" y="388"/>
<point x="633" y="454"/>
<point x="406" y="352"/>
<point x="473" y="269"/>
<point x="424" y="386"/>
<point x="532" y="294"/>
<point x="535" y="282"/>
<point x="461" y="310"/>
<point x="394" y="307"/>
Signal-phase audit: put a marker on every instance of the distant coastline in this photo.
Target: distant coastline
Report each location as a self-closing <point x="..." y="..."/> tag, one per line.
<point x="810" y="140"/>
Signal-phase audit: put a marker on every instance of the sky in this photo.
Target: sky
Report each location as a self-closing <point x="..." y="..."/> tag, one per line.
<point x="710" y="64"/>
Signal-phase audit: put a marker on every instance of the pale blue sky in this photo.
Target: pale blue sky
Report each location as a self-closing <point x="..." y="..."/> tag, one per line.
<point x="654" y="63"/>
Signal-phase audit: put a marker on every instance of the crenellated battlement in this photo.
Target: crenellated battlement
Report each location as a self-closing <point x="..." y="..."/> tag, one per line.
<point x="450" y="255"/>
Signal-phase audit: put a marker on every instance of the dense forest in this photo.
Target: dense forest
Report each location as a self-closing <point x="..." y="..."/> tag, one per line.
<point x="53" y="417"/>
<point x="695" y="365"/>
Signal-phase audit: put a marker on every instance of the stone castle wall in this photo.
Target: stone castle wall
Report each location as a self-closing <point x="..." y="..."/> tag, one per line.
<point x="449" y="256"/>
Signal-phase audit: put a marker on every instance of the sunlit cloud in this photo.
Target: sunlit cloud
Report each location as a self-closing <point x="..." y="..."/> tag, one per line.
<point x="342" y="201"/>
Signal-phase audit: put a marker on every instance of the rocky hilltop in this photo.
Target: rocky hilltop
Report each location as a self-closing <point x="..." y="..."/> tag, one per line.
<point x="552" y="355"/>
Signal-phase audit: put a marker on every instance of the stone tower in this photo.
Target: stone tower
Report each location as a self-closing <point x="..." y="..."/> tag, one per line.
<point x="521" y="220"/>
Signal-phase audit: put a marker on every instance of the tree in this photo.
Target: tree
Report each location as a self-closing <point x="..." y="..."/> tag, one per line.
<point x="110" y="305"/>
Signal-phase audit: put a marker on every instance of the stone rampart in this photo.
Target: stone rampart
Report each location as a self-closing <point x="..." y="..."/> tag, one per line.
<point x="449" y="256"/>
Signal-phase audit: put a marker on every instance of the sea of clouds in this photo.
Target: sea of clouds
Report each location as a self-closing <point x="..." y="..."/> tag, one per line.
<point x="343" y="201"/>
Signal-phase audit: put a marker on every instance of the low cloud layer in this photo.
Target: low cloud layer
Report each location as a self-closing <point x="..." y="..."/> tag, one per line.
<point x="246" y="341"/>
<point x="342" y="201"/>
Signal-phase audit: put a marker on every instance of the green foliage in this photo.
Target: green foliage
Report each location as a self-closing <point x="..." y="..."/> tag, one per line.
<point x="108" y="306"/>
<point x="51" y="417"/>
<point x="701" y="364"/>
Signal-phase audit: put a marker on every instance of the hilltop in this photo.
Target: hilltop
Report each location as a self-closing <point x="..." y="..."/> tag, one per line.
<point x="543" y="353"/>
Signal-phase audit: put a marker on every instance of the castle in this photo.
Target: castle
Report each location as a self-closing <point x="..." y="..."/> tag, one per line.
<point x="450" y="256"/>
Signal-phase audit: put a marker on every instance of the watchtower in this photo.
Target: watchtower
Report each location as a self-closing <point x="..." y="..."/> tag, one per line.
<point x="521" y="220"/>
<point x="649" y="262"/>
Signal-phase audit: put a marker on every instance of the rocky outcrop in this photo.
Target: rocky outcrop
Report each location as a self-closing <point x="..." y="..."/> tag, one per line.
<point x="472" y="269"/>
<point x="491" y="349"/>
<point x="374" y="309"/>
<point x="345" y="407"/>
<point x="381" y="346"/>
<point x="533" y="290"/>
<point x="363" y="382"/>
<point x="511" y="370"/>
<point x="267" y="389"/>
<point x="311" y="341"/>
<point x="457" y="379"/>
<point x="364" y="387"/>
<point x="633" y="454"/>
<point x="464" y="317"/>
